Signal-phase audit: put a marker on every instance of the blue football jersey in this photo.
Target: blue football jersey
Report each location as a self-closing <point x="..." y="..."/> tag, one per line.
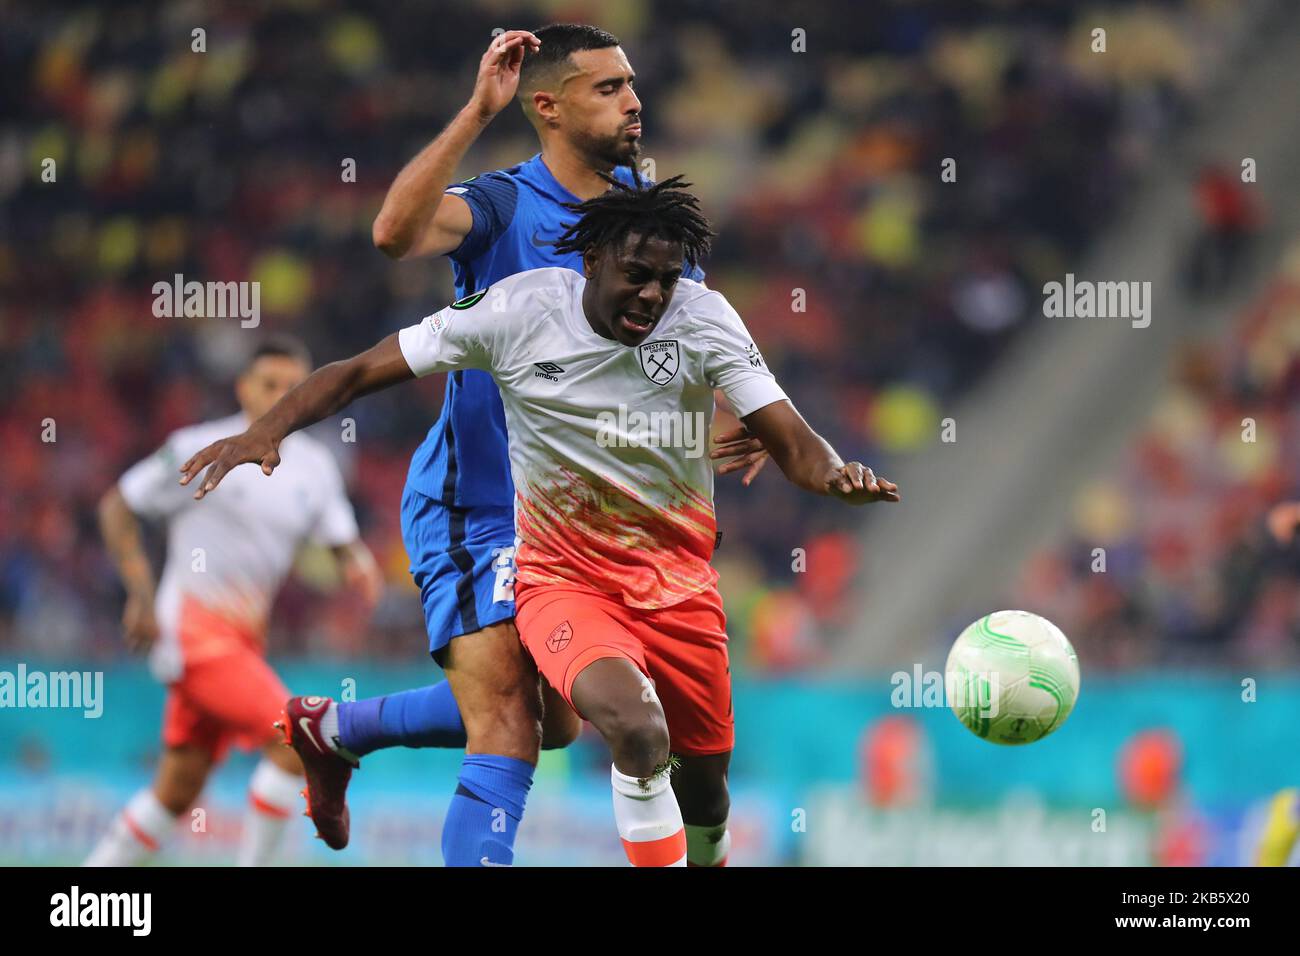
<point x="518" y="213"/>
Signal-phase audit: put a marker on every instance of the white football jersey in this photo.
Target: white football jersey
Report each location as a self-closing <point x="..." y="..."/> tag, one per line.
<point x="230" y="551"/>
<point x="609" y="444"/>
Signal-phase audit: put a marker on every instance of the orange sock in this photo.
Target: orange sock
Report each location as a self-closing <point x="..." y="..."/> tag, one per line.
<point x="649" y="820"/>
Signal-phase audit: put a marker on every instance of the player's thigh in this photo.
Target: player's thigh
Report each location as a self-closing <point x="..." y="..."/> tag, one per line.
<point x="612" y="693"/>
<point x="496" y="687"/>
<point x="700" y="783"/>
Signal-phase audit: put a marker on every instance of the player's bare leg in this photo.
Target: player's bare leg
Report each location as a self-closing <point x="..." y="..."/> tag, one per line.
<point x="496" y="686"/>
<point x="560" y="725"/>
<point x="182" y="773"/>
<point x="139" y="830"/>
<point x="701" y="787"/>
<point x="498" y="690"/>
<point x="620" y="702"/>
<point x="612" y="693"/>
<point x="283" y="757"/>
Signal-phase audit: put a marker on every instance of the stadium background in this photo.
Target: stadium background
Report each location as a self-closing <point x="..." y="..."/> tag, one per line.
<point x="821" y="171"/>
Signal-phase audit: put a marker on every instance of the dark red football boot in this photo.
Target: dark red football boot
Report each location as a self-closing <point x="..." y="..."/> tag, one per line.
<point x="328" y="770"/>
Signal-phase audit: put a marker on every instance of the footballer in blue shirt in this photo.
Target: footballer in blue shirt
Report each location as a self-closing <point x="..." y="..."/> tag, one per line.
<point x="576" y="88"/>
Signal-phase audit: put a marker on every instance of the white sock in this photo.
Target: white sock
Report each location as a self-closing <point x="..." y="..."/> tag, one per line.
<point x="272" y="793"/>
<point x="329" y="726"/>
<point x="649" y="820"/>
<point x="707" y="846"/>
<point x="135" y="834"/>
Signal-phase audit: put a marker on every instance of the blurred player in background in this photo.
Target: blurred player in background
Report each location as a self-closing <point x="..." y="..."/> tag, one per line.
<point x="574" y="83"/>
<point x="618" y="601"/>
<point x="205" y="626"/>
<point x="1281" y="831"/>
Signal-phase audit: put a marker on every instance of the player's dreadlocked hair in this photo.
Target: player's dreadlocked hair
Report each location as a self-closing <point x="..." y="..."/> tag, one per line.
<point x="665" y="210"/>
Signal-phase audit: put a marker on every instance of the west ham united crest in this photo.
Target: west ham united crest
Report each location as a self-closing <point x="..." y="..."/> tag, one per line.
<point x="659" y="360"/>
<point x="560" y="638"/>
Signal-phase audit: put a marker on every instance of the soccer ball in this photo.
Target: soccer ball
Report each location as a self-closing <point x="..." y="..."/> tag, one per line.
<point x="1012" y="677"/>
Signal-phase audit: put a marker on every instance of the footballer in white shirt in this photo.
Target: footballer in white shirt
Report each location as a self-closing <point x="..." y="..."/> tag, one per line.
<point x="607" y="380"/>
<point x="204" y="623"/>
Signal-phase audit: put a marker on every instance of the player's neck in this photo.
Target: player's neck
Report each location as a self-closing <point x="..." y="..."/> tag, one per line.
<point x="573" y="171"/>
<point x="589" y="309"/>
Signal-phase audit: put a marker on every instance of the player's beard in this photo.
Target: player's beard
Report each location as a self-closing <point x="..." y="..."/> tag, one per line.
<point x="616" y="150"/>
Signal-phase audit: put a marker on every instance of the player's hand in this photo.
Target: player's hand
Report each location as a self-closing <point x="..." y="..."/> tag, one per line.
<point x="1284" y="521"/>
<point x="498" y="71"/>
<point x="362" y="575"/>
<point x="745" y="451"/>
<point x="251" y="446"/>
<point x="139" y="625"/>
<point x="855" y="483"/>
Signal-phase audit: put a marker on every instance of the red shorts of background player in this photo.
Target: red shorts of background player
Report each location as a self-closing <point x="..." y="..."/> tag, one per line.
<point x="682" y="648"/>
<point x="227" y="693"/>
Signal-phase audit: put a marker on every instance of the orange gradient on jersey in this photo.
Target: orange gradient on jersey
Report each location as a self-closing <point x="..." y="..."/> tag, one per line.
<point x="653" y="553"/>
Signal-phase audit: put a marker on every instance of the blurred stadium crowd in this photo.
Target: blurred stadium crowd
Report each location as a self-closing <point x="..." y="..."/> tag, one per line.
<point x="820" y="170"/>
<point x="1194" y="573"/>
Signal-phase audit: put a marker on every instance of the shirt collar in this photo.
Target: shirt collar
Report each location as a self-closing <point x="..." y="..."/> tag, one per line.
<point x="542" y="175"/>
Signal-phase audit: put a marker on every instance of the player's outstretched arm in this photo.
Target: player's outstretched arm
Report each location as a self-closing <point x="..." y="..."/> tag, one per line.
<point x="810" y="462"/>
<point x="121" y="532"/>
<point x="328" y="389"/>
<point x="417" y="219"/>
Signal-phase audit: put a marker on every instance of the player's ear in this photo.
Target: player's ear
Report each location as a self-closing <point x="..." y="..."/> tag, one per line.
<point x="590" y="259"/>
<point x="541" y="104"/>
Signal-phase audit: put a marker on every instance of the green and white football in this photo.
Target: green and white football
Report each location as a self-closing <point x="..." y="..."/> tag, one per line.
<point x="1012" y="677"/>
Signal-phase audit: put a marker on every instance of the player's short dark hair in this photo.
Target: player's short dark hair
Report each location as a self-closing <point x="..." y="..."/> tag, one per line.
<point x="665" y="210"/>
<point x="559" y="42"/>
<point x="279" y="345"/>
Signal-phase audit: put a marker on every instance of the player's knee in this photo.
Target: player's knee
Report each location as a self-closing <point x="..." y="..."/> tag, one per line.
<point x="515" y="735"/>
<point x="499" y="699"/>
<point x="505" y="723"/>
<point x="175" y="799"/>
<point x="182" y="772"/>
<point x="638" y="739"/>
<point x="707" y="805"/>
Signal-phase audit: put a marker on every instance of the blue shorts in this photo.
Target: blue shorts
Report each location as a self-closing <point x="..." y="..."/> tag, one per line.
<point x="463" y="561"/>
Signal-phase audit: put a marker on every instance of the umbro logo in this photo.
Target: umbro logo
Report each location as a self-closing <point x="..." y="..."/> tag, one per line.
<point x="548" y="371"/>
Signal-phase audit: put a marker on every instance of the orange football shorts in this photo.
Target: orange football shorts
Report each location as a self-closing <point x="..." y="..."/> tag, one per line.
<point x="682" y="649"/>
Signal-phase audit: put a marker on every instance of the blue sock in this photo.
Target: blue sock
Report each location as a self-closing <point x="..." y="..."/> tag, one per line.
<point x="424" y="717"/>
<point x="485" y="811"/>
